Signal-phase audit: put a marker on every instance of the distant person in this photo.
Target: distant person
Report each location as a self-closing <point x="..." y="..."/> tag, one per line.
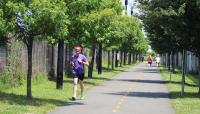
<point x="149" y="60"/>
<point x="142" y="58"/>
<point x="158" y="61"/>
<point x="78" y="60"/>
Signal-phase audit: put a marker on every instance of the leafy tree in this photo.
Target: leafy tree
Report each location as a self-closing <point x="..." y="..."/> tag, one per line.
<point x="177" y="25"/>
<point x="37" y="20"/>
<point x="114" y="36"/>
<point x="192" y="19"/>
<point x="157" y="18"/>
<point x="96" y="25"/>
<point x="133" y="37"/>
<point x="93" y="8"/>
<point x="2" y="23"/>
<point x="77" y="9"/>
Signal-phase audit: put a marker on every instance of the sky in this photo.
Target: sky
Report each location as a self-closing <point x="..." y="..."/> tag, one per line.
<point x="135" y="10"/>
<point x="130" y="4"/>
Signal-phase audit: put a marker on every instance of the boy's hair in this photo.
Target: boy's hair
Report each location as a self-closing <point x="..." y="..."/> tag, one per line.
<point x="78" y="45"/>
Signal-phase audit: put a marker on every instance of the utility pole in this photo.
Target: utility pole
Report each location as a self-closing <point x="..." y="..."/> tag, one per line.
<point x="126" y="4"/>
<point x="132" y="7"/>
<point x="132" y="10"/>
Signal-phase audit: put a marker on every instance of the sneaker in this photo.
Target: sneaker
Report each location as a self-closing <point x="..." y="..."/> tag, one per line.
<point x="73" y="99"/>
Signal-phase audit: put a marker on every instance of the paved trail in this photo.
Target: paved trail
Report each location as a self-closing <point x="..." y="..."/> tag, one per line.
<point x="140" y="90"/>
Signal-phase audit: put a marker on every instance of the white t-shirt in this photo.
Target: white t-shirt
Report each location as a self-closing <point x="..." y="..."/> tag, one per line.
<point x="158" y="59"/>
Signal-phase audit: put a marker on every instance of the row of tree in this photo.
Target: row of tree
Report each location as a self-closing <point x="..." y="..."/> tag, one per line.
<point x="95" y="24"/>
<point x="172" y="26"/>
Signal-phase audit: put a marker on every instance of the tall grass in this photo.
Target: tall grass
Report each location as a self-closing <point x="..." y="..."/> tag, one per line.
<point x="190" y="102"/>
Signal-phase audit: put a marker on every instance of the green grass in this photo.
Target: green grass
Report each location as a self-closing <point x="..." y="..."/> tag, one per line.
<point x="190" y="102"/>
<point x="45" y="96"/>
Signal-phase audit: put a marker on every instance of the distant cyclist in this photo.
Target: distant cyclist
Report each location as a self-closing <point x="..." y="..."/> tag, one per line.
<point x="78" y="60"/>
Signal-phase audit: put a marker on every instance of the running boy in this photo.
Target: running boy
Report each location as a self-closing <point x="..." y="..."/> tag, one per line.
<point x="78" y="60"/>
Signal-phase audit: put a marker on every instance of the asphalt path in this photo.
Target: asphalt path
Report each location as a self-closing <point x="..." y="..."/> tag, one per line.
<point x="139" y="90"/>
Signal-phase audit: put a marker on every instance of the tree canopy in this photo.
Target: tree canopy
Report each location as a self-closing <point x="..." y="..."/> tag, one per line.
<point x="91" y="23"/>
<point x="173" y="23"/>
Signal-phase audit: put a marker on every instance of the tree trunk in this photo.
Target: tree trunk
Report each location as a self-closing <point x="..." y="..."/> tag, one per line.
<point x="70" y="50"/>
<point x="132" y="58"/>
<point x="129" y="58"/>
<point x="59" y="84"/>
<point x="199" y="74"/>
<point x="6" y="49"/>
<point x="121" y="58"/>
<point x="100" y="59"/>
<point x="168" y="61"/>
<point x="177" y="59"/>
<point x="97" y="58"/>
<point x="183" y="74"/>
<point x="116" y="58"/>
<point x="108" y="67"/>
<point x="91" y="64"/>
<point x="170" y="66"/>
<point x="112" y="59"/>
<point x="140" y="58"/>
<point x="165" y="60"/>
<point x="66" y="60"/>
<point x="161" y="58"/>
<point x="136" y="57"/>
<point x="173" y="62"/>
<point x="124" y="57"/>
<point x="29" y="73"/>
<point x="52" y="70"/>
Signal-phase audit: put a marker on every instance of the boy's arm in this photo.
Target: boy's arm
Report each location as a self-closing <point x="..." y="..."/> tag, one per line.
<point x="85" y="61"/>
<point x="71" y="62"/>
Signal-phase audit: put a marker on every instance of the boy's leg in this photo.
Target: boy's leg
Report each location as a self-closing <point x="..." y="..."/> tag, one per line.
<point x="82" y="87"/>
<point x="75" y="81"/>
<point x="81" y="78"/>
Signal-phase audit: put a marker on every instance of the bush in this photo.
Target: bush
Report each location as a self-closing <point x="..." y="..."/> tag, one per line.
<point x="40" y="77"/>
<point x="10" y="78"/>
<point x="13" y="76"/>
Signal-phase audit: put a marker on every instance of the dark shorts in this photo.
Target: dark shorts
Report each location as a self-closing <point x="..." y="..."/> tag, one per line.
<point x="149" y="62"/>
<point x="79" y="76"/>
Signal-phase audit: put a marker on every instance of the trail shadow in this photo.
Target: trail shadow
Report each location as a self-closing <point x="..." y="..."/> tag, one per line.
<point x="147" y="70"/>
<point x="175" y="95"/>
<point x="145" y="81"/>
<point x="100" y="78"/>
<point x="87" y="80"/>
<point x="151" y="72"/>
<point x="70" y="103"/>
<point x="13" y="99"/>
<point x="115" y="69"/>
<point x="143" y="94"/>
<point x="172" y="95"/>
<point x="190" y="85"/>
<point x="95" y="78"/>
<point x="157" y="82"/>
